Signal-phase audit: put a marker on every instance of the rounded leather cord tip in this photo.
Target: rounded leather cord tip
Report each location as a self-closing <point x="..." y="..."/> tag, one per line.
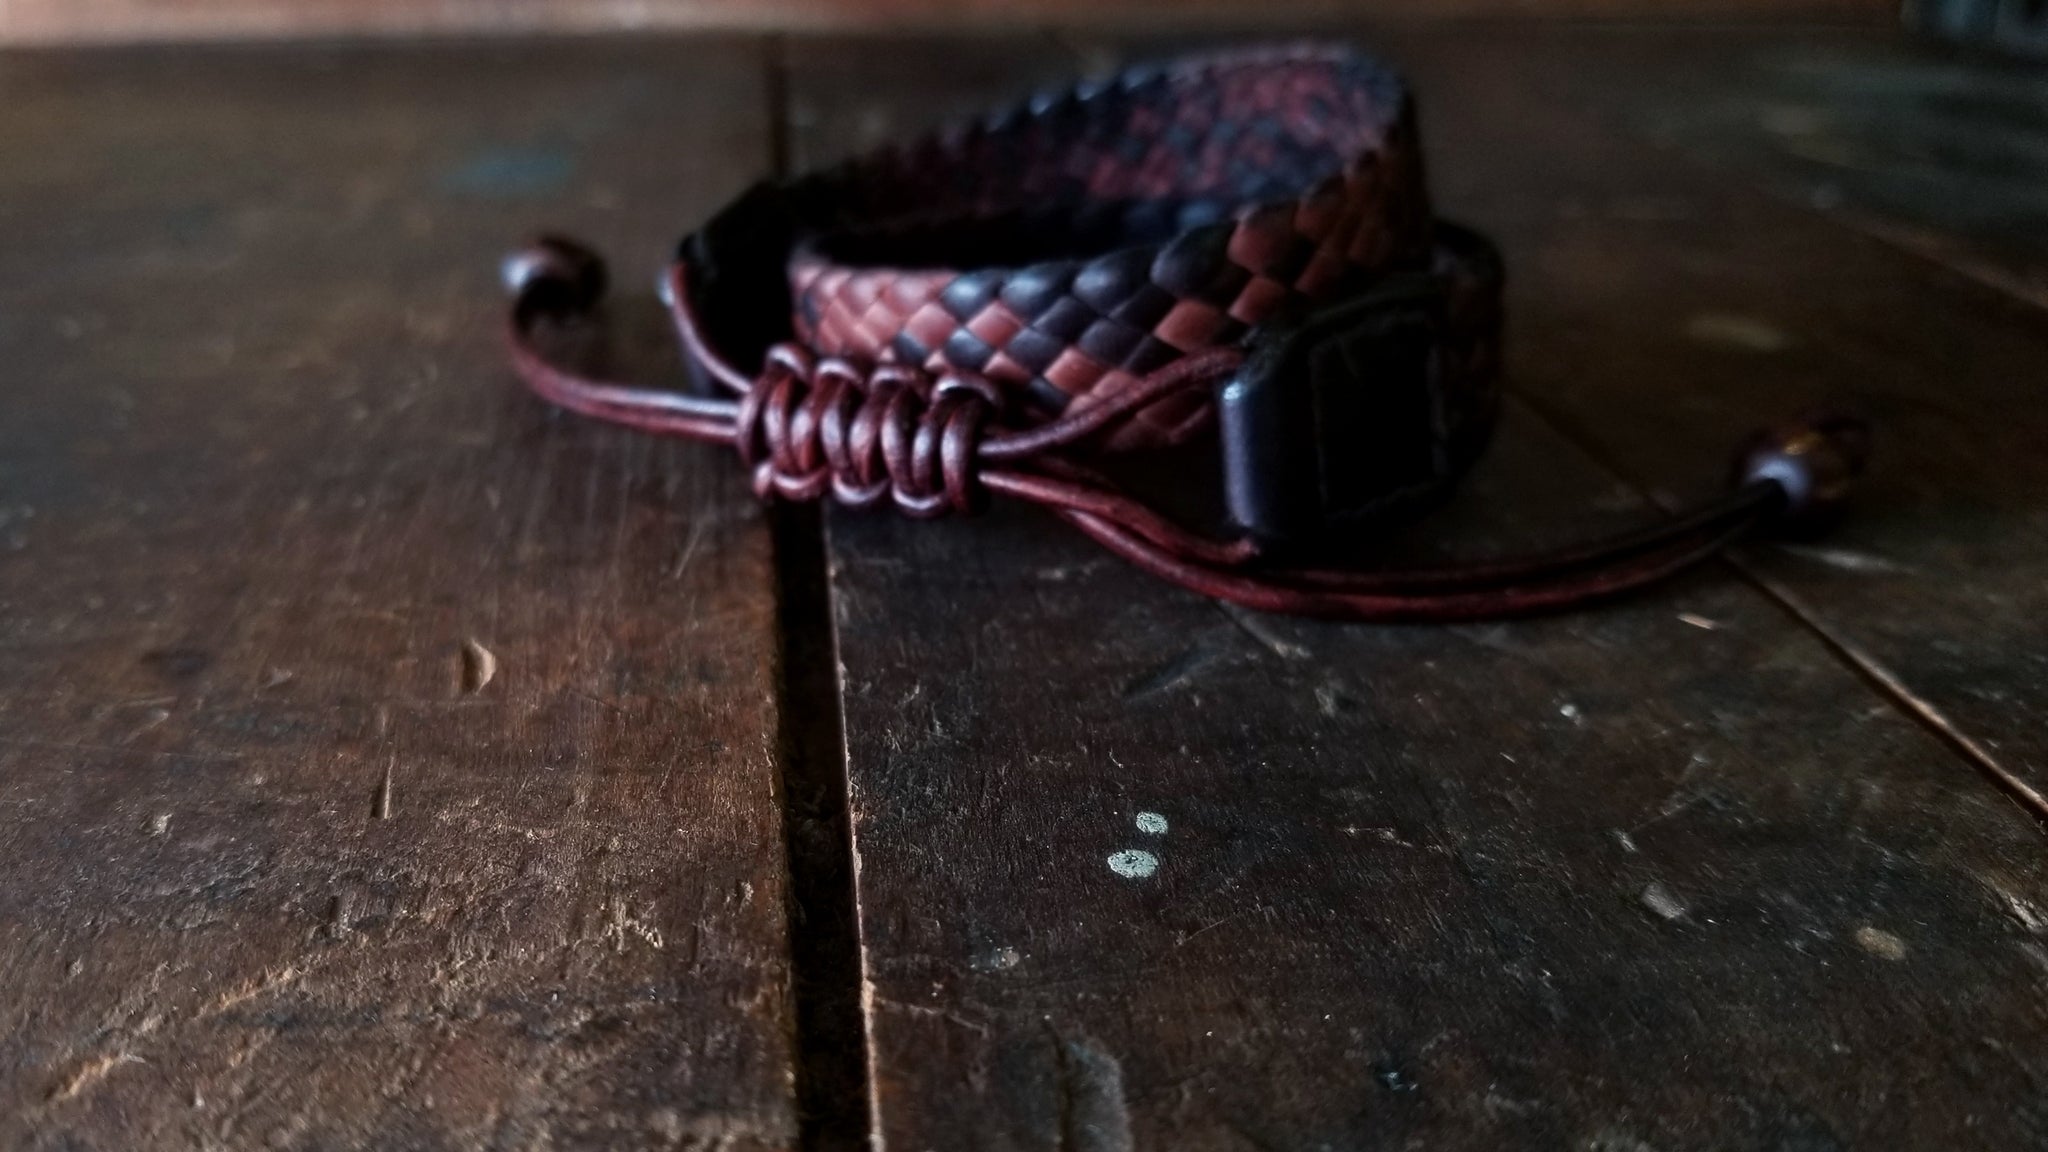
<point x="555" y="274"/>
<point x="1815" y="462"/>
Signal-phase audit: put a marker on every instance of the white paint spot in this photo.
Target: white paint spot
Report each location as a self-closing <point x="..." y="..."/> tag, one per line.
<point x="1569" y="711"/>
<point x="1133" y="863"/>
<point x="1698" y="621"/>
<point x="160" y="824"/>
<point x="1151" y="823"/>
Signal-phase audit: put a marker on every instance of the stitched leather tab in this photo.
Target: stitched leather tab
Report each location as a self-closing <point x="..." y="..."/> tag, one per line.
<point x="1336" y="419"/>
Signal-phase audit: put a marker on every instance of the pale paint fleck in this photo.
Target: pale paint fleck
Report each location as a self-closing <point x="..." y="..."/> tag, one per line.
<point x="1881" y="943"/>
<point x="1151" y="823"/>
<point x="479" y="665"/>
<point x="1659" y="899"/>
<point x="1698" y="621"/>
<point x="1744" y="333"/>
<point x="1569" y="711"/>
<point x="1133" y="863"/>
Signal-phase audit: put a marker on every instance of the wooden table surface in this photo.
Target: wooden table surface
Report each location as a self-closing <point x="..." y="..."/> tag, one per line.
<point x="389" y="761"/>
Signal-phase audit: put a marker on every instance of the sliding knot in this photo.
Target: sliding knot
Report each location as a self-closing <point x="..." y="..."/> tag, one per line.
<point x="865" y="433"/>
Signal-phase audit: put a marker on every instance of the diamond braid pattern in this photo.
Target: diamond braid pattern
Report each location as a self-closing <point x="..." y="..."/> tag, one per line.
<point x="1222" y="193"/>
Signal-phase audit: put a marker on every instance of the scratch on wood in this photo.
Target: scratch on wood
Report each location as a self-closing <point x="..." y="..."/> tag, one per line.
<point x="1901" y="694"/>
<point x="1259" y="630"/>
<point x="1932" y="246"/>
<point x="688" y="552"/>
<point x="1174" y="672"/>
<point x="250" y="989"/>
<point x="1204" y="928"/>
<point x="2030" y="918"/>
<point x="81" y="746"/>
<point x="381" y="803"/>
<point x="620" y="924"/>
<point x="1843" y="558"/>
<point x="935" y="1013"/>
<point x="478" y="666"/>
<point x="90" y="1074"/>
<point x="153" y="718"/>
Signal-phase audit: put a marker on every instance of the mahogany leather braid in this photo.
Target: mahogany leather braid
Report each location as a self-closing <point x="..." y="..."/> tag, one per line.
<point x="1220" y="191"/>
<point x="1238" y="243"/>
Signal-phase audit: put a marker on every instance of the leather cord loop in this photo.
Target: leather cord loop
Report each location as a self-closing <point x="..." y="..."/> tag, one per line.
<point x="808" y="426"/>
<point x="1241" y="241"/>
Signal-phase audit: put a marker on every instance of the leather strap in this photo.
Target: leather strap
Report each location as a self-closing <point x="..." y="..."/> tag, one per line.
<point x="1066" y="246"/>
<point x="1240" y="242"/>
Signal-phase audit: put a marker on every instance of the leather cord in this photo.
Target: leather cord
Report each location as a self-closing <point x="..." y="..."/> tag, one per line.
<point x="931" y="444"/>
<point x="1241" y="242"/>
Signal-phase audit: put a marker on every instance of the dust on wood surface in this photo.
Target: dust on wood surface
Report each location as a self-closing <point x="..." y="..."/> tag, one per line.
<point x="1137" y="870"/>
<point x="385" y="759"/>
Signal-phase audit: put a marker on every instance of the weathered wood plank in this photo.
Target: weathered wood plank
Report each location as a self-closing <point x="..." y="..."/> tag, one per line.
<point x="1662" y="875"/>
<point x="1936" y="580"/>
<point x="385" y="760"/>
<point x="43" y="21"/>
<point x="1941" y="152"/>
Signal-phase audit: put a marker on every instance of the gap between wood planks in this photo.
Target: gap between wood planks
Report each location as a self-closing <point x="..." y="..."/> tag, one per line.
<point x="833" y="1065"/>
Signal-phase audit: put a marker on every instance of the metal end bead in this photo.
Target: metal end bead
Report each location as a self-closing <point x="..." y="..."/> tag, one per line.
<point x="1815" y="462"/>
<point x="556" y="274"/>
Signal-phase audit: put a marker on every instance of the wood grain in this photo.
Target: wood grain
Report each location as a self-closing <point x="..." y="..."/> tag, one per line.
<point x="1937" y="152"/>
<point x="385" y="760"/>
<point x="1934" y="582"/>
<point x="45" y="21"/>
<point x="1136" y="871"/>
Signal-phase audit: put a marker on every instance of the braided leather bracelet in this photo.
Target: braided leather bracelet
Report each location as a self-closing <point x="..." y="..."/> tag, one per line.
<point x="1231" y="252"/>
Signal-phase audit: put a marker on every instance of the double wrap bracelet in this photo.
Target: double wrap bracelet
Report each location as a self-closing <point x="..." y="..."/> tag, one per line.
<point x="1230" y="260"/>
